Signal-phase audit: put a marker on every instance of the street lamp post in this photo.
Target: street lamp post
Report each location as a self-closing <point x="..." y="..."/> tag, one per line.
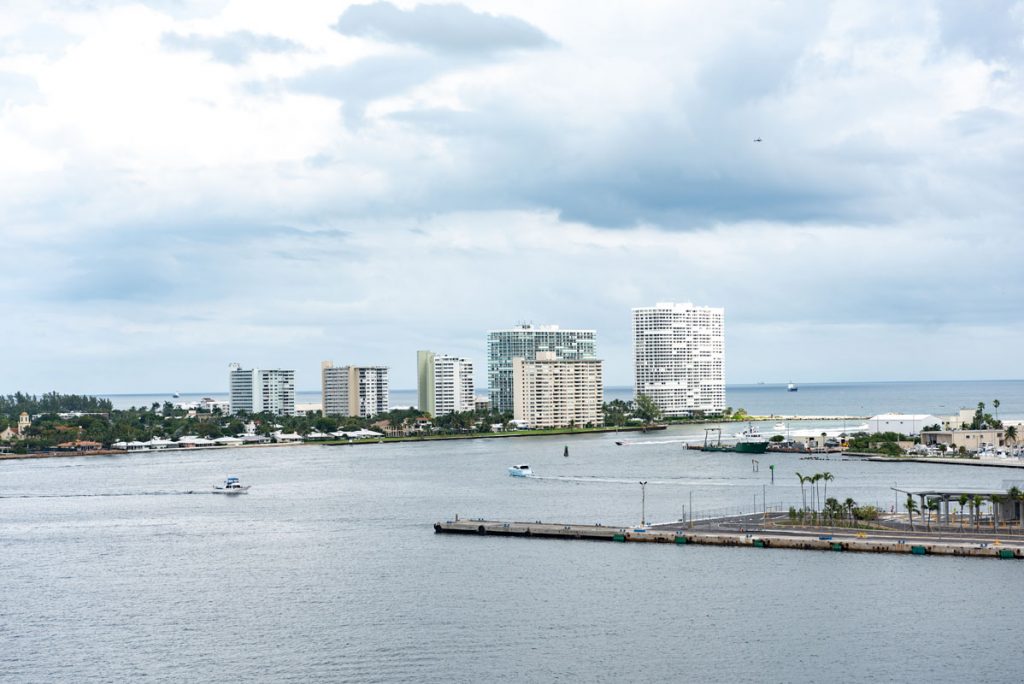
<point x="643" y="502"/>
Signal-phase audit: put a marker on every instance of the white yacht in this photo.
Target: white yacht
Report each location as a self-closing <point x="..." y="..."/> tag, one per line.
<point x="520" y="471"/>
<point x="791" y="387"/>
<point x="231" y="486"/>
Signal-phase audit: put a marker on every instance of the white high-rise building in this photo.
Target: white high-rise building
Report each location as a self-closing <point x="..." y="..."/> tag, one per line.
<point x="679" y="357"/>
<point x="551" y="392"/>
<point x="261" y="391"/>
<point x="445" y="383"/>
<point x="524" y="341"/>
<point x="354" y="390"/>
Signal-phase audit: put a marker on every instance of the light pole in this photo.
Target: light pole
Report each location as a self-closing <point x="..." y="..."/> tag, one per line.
<point x="643" y="503"/>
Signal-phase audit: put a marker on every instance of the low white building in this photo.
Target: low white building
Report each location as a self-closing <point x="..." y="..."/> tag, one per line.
<point x="903" y="423"/>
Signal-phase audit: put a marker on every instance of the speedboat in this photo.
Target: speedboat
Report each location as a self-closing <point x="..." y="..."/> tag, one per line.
<point x="791" y="387"/>
<point x="231" y="486"/>
<point x="520" y="471"/>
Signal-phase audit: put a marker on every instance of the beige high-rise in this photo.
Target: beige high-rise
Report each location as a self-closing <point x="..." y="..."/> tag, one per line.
<point x="551" y="392"/>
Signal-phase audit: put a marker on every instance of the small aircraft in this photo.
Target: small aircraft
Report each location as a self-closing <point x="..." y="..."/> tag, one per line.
<point x="757" y="140"/>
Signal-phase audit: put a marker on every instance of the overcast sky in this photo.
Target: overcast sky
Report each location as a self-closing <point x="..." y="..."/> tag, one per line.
<point x="187" y="184"/>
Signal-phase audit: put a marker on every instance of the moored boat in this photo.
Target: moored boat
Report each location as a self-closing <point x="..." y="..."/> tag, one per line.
<point x="520" y="471"/>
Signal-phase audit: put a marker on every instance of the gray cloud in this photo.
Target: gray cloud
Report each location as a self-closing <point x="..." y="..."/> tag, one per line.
<point x="990" y="29"/>
<point x="441" y="28"/>
<point x="232" y="48"/>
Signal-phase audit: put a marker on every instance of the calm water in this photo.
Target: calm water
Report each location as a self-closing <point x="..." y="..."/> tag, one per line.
<point x="329" y="569"/>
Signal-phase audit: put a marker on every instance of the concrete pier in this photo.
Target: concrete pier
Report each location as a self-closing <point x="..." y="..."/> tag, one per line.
<point x="809" y="541"/>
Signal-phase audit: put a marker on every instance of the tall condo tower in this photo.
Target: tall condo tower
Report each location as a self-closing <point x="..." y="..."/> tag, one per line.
<point x="524" y="341"/>
<point x="261" y="391"/>
<point x="679" y="357"/>
<point x="445" y="383"/>
<point x="354" y="390"/>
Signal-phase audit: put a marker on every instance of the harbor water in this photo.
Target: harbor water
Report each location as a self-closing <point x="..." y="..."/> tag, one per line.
<point x="126" y="568"/>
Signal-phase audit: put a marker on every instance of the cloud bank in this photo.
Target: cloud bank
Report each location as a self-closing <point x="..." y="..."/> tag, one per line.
<point x="189" y="184"/>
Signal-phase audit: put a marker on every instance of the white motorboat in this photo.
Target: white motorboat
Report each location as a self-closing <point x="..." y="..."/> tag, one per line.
<point x="779" y="427"/>
<point x="520" y="471"/>
<point x="231" y="486"/>
<point x="791" y="387"/>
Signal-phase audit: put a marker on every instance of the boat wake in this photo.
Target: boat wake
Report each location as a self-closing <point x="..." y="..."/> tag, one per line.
<point x="687" y="482"/>
<point x="77" y="496"/>
<point x="660" y="441"/>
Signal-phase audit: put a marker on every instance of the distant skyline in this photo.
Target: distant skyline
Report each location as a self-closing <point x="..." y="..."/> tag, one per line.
<point x="188" y="184"/>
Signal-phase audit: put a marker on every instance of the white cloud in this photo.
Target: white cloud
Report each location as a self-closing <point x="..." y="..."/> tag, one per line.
<point x="357" y="197"/>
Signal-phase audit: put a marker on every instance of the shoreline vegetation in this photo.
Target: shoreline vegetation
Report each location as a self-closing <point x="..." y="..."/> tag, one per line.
<point x="68" y="424"/>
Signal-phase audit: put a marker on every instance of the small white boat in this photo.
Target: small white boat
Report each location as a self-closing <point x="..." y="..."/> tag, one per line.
<point x="231" y="486"/>
<point x="779" y="427"/>
<point x="520" y="471"/>
<point x="791" y="387"/>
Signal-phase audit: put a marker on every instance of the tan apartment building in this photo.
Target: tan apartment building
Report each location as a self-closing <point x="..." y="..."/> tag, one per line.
<point x="551" y="392"/>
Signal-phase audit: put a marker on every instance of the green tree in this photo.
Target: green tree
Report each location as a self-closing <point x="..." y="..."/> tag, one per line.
<point x="647" y="410"/>
<point x="933" y="509"/>
<point x="827" y="477"/>
<point x="911" y="507"/>
<point x="850" y="504"/>
<point x="963" y="500"/>
<point x="1017" y="495"/>
<point x="803" y="496"/>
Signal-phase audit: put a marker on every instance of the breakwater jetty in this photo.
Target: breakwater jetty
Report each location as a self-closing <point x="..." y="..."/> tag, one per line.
<point x="762" y="539"/>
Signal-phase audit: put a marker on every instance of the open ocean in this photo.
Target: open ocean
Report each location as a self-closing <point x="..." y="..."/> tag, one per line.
<point x="849" y="398"/>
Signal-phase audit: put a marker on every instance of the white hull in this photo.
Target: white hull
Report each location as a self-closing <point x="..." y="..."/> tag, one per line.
<point x="231" y="490"/>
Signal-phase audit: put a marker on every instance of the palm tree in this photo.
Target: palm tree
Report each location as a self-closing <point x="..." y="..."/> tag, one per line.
<point x="963" y="502"/>
<point x="1016" y="494"/>
<point x="827" y="477"/>
<point x="1011" y="434"/>
<point x="814" y="480"/>
<point x="995" y="405"/>
<point x="933" y="508"/>
<point x="996" y="500"/>
<point x="911" y="506"/>
<point x="803" y="497"/>
<point x="976" y="502"/>
<point x="850" y="504"/>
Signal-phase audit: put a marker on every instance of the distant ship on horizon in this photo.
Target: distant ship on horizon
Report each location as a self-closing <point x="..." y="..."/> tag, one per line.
<point x="791" y="387"/>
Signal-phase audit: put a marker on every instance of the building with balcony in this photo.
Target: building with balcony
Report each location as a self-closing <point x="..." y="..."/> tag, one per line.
<point x="550" y="392"/>
<point x="679" y="357"/>
<point x="525" y="341"/>
<point x="360" y="391"/>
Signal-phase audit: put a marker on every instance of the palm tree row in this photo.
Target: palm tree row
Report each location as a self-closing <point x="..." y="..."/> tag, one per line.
<point x="813" y="480"/>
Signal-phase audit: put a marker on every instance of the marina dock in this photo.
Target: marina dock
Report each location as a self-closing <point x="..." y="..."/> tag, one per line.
<point x="852" y="540"/>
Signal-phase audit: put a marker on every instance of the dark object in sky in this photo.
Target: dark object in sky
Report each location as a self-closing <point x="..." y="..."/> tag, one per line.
<point x="757" y="140"/>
